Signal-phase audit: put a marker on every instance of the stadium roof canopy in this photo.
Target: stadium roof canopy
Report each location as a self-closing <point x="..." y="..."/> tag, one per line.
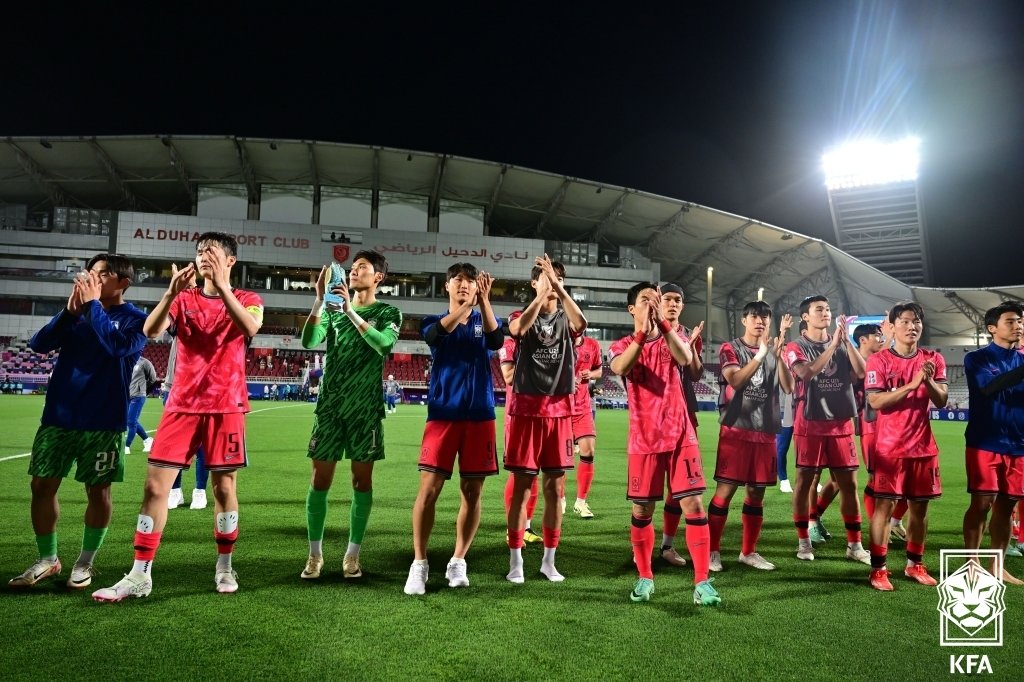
<point x="161" y="173"/>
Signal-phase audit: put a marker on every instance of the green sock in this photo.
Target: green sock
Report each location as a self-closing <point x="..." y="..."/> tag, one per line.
<point x="47" y="545"/>
<point x="93" y="539"/>
<point x="316" y="514"/>
<point x="360" y="515"/>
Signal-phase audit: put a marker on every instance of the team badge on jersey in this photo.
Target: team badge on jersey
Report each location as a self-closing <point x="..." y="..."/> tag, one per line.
<point x="872" y="377"/>
<point x="478" y="330"/>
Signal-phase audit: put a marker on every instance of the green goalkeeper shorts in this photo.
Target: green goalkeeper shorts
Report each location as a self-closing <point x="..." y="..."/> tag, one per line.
<point x="97" y="453"/>
<point x="335" y="439"/>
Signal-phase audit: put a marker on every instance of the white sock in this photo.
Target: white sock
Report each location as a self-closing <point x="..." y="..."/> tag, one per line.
<point x="420" y="562"/>
<point x="223" y="562"/>
<point x="143" y="567"/>
<point x="854" y="545"/>
<point x="895" y="522"/>
<point x="549" y="555"/>
<point x="316" y="547"/>
<point x="353" y="549"/>
<point x="667" y="540"/>
<point x="144" y="524"/>
<point x="85" y="558"/>
<point x="580" y="499"/>
<point x="516" y="557"/>
<point x="805" y="543"/>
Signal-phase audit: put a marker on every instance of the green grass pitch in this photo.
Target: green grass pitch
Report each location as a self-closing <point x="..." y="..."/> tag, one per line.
<point x="804" y="621"/>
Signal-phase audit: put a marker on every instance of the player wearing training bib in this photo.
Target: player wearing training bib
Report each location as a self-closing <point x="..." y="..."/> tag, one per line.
<point x="900" y="383"/>
<point x="584" y="433"/>
<point x="752" y="364"/>
<point x="539" y="438"/>
<point x="507" y="363"/>
<point x="206" y="406"/>
<point x="827" y="367"/>
<point x="460" y="418"/>
<point x="662" y="446"/>
<point x="347" y="421"/>
<point x="100" y="338"/>
<point x="995" y="430"/>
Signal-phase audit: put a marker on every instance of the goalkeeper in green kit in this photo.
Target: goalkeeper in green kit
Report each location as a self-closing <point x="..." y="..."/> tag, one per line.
<point x="347" y="422"/>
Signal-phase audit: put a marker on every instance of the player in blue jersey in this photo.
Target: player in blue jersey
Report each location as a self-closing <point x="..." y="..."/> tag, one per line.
<point x="995" y="429"/>
<point x="460" y="417"/>
<point x="99" y="336"/>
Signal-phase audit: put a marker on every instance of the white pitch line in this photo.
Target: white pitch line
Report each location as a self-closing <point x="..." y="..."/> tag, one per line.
<point x="265" y="409"/>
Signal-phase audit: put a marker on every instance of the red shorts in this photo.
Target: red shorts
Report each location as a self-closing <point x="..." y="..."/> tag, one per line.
<point x="826" y="452"/>
<point x="989" y="473"/>
<point x="535" y="444"/>
<point x="915" y="478"/>
<point x="647" y="475"/>
<point x="583" y="426"/>
<point x="180" y="434"/>
<point x="867" y="450"/>
<point x="474" y="442"/>
<point x="743" y="462"/>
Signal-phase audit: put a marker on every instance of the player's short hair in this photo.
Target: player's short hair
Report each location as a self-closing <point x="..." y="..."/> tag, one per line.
<point x="377" y="260"/>
<point x="906" y="306"/>
<point x="226" y="241"/>
<point x="557" y="266"/>
<point x="862" y="330"/>
<point x="759" y="308"/>
<point x="634" y="291"/>
<point x="116" y="263"/>
<point x="468" y="270"/>
<point x="992" y="315"/>
<point x="673" y="288"/>
<point x="805" y="305"/>
<point x="802" y="327"/>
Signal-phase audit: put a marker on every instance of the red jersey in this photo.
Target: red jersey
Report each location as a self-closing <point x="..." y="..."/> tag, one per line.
<point x="588" y="358"/>
<point x="658" y="420"/>
<point x="209" y="370"/>
<point x="507" y="356"/>
<point x="903" y="430"/>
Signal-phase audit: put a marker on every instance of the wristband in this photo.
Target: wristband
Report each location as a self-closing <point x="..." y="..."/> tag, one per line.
<point x="640" y="338"/>
<point x="664" y="326"/>
<point x="318" y="308"/>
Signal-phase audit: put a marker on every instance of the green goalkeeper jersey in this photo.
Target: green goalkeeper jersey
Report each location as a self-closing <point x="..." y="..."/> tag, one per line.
<point x="350" y="388"/>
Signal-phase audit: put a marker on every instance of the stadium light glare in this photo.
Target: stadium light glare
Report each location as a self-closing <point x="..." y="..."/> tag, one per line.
<point x="871" y="162"/>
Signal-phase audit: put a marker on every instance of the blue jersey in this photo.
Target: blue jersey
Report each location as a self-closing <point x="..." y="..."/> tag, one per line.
<point x="995" y="422"/>
<point x="88" y="389"/>
<point x="461" y="387"/>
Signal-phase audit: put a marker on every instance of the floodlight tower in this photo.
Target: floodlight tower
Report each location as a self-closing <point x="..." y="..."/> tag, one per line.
<point x="875" y="201"/>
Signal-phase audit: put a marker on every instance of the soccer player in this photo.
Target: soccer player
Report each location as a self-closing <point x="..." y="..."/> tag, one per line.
<point x="900" y="383"/>
<point x="213" y="325"/>
<point x="99" y="336"/>
<point x="995" y="430"/>
<point x="392" y="389"/>
<point x="870" y="340"/>
<point x="584" y="433"/>
<point x="460" y="417"/>
<point x="783" y="440"/>
<point x="540" y="429"/>
<point x="176" y="498"/>
<point x="752" y="364"/>
<point x="347" y="421"/>
<point x="143" y="376"/>
<point x="507" y="363"/>
<point x="827" y="366"/>
<point x="673" y="303"/>
<point x="662" y="443"/>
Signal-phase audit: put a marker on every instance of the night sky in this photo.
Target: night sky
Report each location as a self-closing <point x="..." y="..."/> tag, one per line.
<point x="731" y="109"/>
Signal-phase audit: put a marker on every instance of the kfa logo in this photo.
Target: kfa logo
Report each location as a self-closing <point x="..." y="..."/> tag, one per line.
<point x="971" y="600"/>
<point x="968" y="664"/>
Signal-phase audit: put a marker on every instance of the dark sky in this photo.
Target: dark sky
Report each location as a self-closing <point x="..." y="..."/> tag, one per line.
<point x="730" y="108"/>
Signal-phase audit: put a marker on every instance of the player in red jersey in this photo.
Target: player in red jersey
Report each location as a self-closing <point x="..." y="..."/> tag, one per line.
<point x="827" y="366"/>
<point x="584" y="433"/>
<point x="539" y="438"/>
<point x="206" y="406"/>
<point x="662" y="442"/>
<point x="507" y="362"/>
<point x="752" y="364"/>
<point x="673" y="302"/>
<point x="900" y="383"/>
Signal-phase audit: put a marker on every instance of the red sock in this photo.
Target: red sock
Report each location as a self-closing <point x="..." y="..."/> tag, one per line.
<point x="718" y="514"/>
<point x="225" y="541"/>
<point x="869" y="504"/>
<point x="822" y="506"/>
<point x="801" y="523"/>
<point x="146" y="545"/>
<point x="551" y="537"/>
<point x="531" y="504"/>
<point x="1020" y="522"/>
<point x="509" y="485"/>
<point x="753" y="518"/>
<point x="515" y="539"/>
<point x="878" y="555"/>
<point x="671" y="516"/>
<point x="900" y="510"/>
<point x="641" y="534"/>
<point x="852" y="524"/>
<point x="698" y="543"/>
<point x="915" y="552"/>
<point x="584" y="477"/>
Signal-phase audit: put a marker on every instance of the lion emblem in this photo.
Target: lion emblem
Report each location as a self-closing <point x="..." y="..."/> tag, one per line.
<point x="971" y="597"/>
